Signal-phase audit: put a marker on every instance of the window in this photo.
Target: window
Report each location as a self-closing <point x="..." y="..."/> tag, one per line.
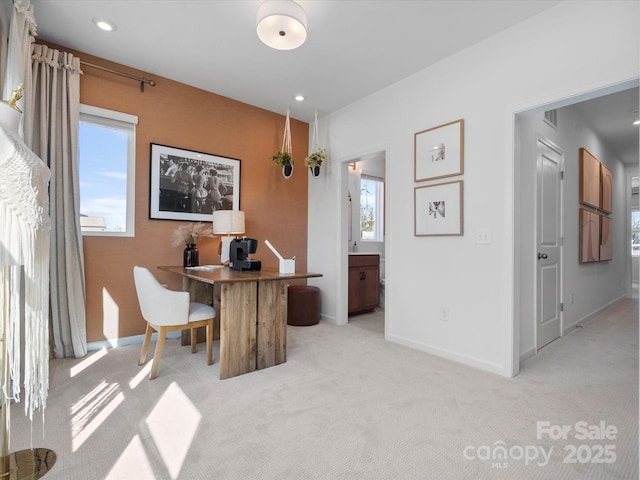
<point x="371" y="208"/>
<point x="635" y="233"/>
<point x="106" y="141"/>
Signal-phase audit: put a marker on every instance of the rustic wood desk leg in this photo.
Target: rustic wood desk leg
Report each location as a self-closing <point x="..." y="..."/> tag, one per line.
<point x="237" y="315"/>
<point x="209" y="295"/>
<point x="272" y="323"/>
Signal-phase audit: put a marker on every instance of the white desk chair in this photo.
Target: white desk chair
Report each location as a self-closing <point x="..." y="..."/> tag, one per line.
<point x="168" y="311"/>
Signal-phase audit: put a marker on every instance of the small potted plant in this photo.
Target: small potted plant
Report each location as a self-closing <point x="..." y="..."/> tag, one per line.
<point x="188" y="235"/>
<point x="314" y="161"/>
<point x="285" y="160"/>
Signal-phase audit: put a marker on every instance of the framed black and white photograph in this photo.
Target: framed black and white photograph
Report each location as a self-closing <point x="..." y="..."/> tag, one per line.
<point x="438" y="209"/>
<point x="438" y="152"/>
<point x="189" y="185"/>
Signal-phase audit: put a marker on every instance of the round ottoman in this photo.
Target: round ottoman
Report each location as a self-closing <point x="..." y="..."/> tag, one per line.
<point x="303" y="305"/>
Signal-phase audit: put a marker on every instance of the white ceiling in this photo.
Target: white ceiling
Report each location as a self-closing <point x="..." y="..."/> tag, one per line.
<point x="353" y="47"/>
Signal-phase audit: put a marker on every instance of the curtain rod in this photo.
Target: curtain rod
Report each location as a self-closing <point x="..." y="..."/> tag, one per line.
<point x="142" y="80"/>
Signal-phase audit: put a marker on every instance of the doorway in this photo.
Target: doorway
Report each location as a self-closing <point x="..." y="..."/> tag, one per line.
<point x="363" y="190"/>
<point x="583" y="290"/>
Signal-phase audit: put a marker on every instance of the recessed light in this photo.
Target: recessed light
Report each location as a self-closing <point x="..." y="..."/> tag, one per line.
<point x="299" y="98"/>
<point x="104" y="24"/>
<point x="637" y="122"/>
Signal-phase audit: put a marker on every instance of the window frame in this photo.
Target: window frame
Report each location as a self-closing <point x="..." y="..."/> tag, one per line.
<point x="634" y="211"/>
<point x="122" y="121"/>
<point x="379" y="208"/>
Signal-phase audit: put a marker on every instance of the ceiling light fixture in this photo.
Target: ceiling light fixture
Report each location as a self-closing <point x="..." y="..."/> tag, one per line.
<point x="282" y="24"/>
<point x="637" y="122"/>
<point x="299" y="98"/>
<point x="104" y="24"/>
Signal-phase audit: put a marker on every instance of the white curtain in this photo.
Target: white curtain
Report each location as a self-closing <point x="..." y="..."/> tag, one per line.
<point x="5" y="15"/>
<point x="51" y="131"/>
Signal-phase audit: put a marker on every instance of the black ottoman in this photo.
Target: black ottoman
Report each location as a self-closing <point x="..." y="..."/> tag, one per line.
<point x="303" y="305"/>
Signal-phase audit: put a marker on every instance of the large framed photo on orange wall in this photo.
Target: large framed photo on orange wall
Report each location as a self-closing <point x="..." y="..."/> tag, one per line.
<point x="189" y="185"/>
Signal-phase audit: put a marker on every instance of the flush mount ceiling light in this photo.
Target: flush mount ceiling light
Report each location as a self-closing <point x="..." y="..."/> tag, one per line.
<point x="282" y="24"/>
<point x="104" y="24"/>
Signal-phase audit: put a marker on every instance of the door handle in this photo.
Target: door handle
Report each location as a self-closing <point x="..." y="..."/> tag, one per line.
<point x="542" y="255"/>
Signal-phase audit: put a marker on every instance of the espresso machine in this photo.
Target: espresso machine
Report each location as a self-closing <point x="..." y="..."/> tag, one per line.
<point x="240" y="251"/>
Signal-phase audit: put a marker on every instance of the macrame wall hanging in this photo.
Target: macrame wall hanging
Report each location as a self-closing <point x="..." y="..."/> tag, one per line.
<point x="24" y="288"/>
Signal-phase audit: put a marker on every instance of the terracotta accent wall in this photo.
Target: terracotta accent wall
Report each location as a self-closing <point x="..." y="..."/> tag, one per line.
<point x="178" y="115"/>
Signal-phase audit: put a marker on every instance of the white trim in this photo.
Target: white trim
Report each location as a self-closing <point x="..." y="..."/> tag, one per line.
<point x="527" y="354"/>
<point x="450" y="355"/>
<point x="124" y="341"/>
<point x="127" y="123"/>
<point x="591" y="315"/>
<point x="104" y="113"/>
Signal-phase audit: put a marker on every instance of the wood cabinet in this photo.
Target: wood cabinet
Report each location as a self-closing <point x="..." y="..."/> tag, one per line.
<point x="364" y="282"/>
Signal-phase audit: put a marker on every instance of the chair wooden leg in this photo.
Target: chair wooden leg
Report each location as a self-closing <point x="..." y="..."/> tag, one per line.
<point x="209" y="333"/>
<point x="156" y="356"/>
<point x="145" y="345"/>
<point x="194" y="341"/>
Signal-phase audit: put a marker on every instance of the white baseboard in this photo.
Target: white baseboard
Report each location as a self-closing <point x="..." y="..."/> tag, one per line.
<point x="329" y="319"/>
<point x="121" y="342"/>
<point x="591" y="315"/>
<point x="450" y="355"/>
<point x="527" y="354"/>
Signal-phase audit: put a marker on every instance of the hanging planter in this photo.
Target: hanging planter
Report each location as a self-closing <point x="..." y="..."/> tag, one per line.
<point x="284" y="157"/>
<point x="314" y="161"/>
<point x="318" y="154"/>
<point x="285" y="160"/>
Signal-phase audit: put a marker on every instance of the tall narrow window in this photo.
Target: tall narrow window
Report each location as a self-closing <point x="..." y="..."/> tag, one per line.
<point x="107" y="171"/>
<point x="635" y="233"/>
<point x="371" y="208"/>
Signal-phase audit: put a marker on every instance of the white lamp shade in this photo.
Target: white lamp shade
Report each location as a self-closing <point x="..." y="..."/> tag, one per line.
<point x="282" y="24"/>
<point x="228" y="221"/>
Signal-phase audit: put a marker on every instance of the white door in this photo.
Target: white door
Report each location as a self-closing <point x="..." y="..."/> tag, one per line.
<point x="549" y="243"/>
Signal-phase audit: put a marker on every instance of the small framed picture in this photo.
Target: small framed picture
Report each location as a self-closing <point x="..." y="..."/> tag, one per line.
<point x="606" y="239"/>
<point x="589" y="248"/>
<point x="606" y="189"/>
<point x="438" y="152"/>
<point x="438" y="209"/>
<point x="589" y="187"/>
<point x="189" y="185"/>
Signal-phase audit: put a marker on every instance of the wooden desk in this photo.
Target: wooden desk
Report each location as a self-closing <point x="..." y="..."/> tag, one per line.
<point x="252" y="311"/>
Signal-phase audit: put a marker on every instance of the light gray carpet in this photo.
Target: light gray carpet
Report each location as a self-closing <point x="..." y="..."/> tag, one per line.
<point x="346" y="405"/>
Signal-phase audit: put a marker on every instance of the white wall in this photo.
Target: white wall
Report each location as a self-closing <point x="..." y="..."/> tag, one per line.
<point x="593" y="285"/>
<point x="573" y="48"/>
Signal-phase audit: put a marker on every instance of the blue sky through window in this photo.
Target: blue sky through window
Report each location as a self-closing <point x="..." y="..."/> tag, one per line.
<point x="103" y="174"/>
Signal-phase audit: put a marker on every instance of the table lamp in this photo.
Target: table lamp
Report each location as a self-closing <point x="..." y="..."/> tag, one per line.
<point x="227" y="223"/>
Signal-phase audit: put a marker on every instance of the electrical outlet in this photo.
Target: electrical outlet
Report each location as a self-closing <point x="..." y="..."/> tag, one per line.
<point x="483" y="236"/>
<point x="444" y="314"/>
